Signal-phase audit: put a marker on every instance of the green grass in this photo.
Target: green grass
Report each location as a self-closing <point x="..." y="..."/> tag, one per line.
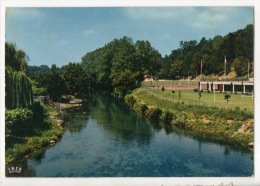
<point x="27" y="134"/>
<point x="32" y="143"/>
<point x="205" y="118"/>
<point x="189" y="97"/>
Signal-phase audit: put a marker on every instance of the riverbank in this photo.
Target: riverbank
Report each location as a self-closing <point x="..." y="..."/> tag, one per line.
<point x="42" y="133"/>
<point x="237" y="125"/>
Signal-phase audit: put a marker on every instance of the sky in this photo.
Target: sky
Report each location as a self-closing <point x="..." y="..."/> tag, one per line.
<point x="62" y="35"/>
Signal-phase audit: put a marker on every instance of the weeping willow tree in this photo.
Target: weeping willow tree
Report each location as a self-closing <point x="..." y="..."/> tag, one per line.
<point x="15" y="59"/>
<point x="18" y="88"/>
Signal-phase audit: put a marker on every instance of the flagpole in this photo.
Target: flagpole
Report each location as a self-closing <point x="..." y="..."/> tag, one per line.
<point x="200" y="69"/>
<point x="248" y="67"/>
<point x="225" y="63"/>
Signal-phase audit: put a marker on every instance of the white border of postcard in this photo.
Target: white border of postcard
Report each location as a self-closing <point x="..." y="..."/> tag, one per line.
<point x="251" y="181"/>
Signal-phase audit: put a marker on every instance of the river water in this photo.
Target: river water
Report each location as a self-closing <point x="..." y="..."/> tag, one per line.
<point x="107" y="139"/>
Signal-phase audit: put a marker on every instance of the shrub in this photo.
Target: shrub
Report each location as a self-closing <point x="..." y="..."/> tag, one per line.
<point x="168" y="117"/>
<point x="39" y="111"/>
<point x="18" y="115"/>
<point x="143" y="108"/>
<point x="17" y="119"/>
<point x="163" y="88"/>
<point x="154" y="114"/>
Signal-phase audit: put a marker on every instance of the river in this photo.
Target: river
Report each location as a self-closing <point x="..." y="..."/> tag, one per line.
<point x="107" y="139"/>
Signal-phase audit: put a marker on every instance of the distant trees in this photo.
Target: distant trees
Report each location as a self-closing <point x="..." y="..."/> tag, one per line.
<point x="75" y="79"/>
<point x="56" y="85"/>
<point x="238" y="48"/>
<point x="121" y="64"/>
<point x="70" y="79"/>
<point x="240" y="65"/>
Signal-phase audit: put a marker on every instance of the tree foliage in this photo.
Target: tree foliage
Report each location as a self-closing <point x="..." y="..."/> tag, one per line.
<point x="75" y="79"/>
<point x="121" y="64"/>
<point x="237" y="47"/>
<point x="15" y="59"/>
<point x="56" y="86"/>
<point x="18" y="87"/>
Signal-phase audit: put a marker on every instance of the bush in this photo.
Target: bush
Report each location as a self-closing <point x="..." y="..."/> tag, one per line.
<point x="143" y="108"/>
<point x="168" y="117"/>
<point x="17" y="119"/>
<point x="163" y="88"/>
<point x="39" y="111"/>
<point x="18" y="115"/>
<point x="154" y="114"/>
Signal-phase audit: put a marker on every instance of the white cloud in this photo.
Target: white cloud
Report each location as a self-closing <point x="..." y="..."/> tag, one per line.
<point x="157" y="12"/>
<point x="23" y="13"/>
<point x="191" y="16"/>
<point x="63" y="42"/>
<point x="213" y="17"/>
<point x="89" y="32"/>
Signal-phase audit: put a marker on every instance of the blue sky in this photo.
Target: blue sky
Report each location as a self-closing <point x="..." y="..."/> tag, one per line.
<point x="62" y="35"/>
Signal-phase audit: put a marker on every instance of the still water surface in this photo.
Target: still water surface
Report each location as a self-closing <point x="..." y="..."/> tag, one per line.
<point x="107" y="139"/>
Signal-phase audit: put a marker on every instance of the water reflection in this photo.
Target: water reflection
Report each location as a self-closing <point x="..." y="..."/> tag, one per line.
<point x="75" y="119"/>
<point x="111" y="114"/>
<point x="106" y="138"/>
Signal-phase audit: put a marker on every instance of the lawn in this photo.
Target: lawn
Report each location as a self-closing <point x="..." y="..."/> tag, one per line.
<point x="189" y="97"/>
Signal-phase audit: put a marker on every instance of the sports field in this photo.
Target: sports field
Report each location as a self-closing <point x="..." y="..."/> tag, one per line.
<point x="217" y="99"/>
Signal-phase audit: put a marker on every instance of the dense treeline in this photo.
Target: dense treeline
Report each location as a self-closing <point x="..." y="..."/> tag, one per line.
<point x="237" y="47"/>
<point x="70" y="79"/>
<point x="121" y="64"/>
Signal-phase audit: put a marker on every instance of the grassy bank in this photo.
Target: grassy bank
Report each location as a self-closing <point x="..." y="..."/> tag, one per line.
<point x="233" y="123"/>
<point x="30" y="134"/>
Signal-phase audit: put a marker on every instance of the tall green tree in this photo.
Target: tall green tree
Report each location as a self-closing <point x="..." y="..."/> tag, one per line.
<point x="15" y="59"/>
<point x="56" y="86"/>
<point x="240" y="65"/>
<point x="18" y="87"/>
<point x="75" y="79"/>
<point x="108" y="65"/>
